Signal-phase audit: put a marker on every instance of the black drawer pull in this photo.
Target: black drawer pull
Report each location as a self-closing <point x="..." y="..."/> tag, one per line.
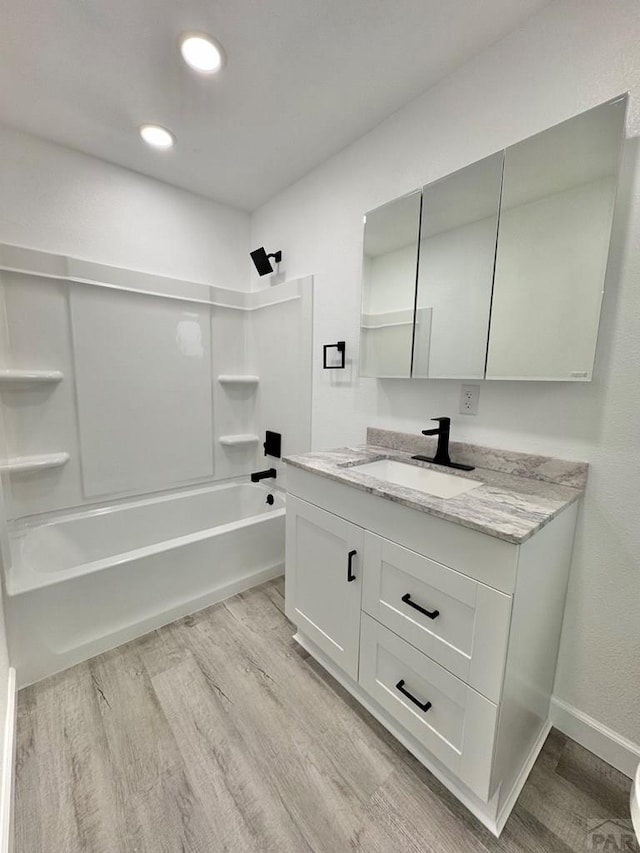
<point x="400" y="686"/>
<point x="350" y="574"/>
<point x="430" y="613"/>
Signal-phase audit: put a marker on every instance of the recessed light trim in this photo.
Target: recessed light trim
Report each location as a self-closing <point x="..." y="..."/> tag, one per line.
<point x="157" y="136"/>
<point x="202" y="52"/>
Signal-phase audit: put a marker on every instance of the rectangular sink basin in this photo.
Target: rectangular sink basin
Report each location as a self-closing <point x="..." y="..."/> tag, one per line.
<point x="426" y="480"/>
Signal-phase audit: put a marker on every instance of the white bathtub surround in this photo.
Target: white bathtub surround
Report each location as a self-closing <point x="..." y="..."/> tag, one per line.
<point x="143" y="381"/>
<point x="160" y="385"/>
<point x="39" y="462"/>
<point x="48" y="265"/>
<point x="281" y="351"/>
<point x="89" y="581"/>
<point x="140" y="410"/>
<point x="25" y="378"/>
<point x="233" y="379"/>
<point x="240" y="440"/>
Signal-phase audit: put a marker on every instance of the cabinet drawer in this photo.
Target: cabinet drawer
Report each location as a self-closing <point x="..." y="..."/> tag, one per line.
<point x="460" y="623"/>
<point x="450" y="719"/>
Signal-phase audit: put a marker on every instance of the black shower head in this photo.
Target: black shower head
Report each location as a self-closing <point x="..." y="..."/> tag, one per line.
<point x="261" y="260"/>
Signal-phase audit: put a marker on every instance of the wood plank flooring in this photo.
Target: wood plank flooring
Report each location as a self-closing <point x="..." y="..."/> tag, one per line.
<point x="218" y="733"/>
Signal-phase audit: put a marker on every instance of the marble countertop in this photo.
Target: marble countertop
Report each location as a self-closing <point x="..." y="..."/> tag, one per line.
<point x="505" y="505"/>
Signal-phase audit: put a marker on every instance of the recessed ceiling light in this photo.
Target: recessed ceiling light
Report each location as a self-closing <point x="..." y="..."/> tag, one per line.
<point x="201" y="52"/>
<point x="157" y="136"/>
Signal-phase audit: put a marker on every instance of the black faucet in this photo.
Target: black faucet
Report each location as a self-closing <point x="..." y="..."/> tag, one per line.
<point x="442" y="450"/>
<point x="263" y="475"/>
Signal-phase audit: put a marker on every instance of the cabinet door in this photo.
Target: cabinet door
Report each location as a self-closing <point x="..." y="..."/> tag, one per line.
<point x="323" y="580"/>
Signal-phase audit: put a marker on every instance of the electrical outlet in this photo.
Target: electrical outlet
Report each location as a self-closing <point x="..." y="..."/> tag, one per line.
<point x="469" y="399"/>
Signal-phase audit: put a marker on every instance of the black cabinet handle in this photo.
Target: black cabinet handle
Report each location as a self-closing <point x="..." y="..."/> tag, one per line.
<point x="400" y="686"/>
<point x="350" y="574"/>
<point x="430" y="613"/>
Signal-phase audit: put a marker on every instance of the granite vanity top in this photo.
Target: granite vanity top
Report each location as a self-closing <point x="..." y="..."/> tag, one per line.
<point x="520" y="493"/>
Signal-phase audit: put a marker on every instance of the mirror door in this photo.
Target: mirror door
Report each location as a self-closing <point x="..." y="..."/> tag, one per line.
<point x="555" y="226"/>
<point x="455" y="276"/>
<point x="390" y="258"/>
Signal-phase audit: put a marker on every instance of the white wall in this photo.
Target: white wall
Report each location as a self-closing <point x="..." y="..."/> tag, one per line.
<point x="568" y="58"/>
<point x="58" y="200"/>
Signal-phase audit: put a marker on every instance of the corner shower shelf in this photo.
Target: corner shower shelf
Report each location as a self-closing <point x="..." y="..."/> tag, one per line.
<point x="238" y="379"/>
<point x="238" y="440"/>
<point x="24" y="464"/>
<point x="12" y="377"/>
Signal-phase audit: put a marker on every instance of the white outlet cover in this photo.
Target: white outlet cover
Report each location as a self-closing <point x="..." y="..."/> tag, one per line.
<point x="469" y="399"/>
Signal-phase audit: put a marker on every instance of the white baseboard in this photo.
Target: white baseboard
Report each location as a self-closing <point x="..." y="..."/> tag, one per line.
<point x="613" y="748"/>
<point x="6" y="769"/>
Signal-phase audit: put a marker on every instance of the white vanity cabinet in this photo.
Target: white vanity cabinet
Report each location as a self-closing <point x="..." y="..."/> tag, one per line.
<point x="447" y="635"/>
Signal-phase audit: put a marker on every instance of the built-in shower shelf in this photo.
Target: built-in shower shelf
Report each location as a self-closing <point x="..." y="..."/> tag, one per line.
<point x="23" y="464"/>
<point x="238" y="379"/>
<point x="238" y="440"/>
<point x="25" y="378"/>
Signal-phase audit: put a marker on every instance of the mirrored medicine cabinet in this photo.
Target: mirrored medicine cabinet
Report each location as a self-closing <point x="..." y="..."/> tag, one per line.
<point x="497" y="270"/>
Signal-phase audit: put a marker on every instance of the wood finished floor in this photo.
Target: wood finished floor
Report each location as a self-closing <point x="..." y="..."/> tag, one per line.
<point x="218" y="733"/>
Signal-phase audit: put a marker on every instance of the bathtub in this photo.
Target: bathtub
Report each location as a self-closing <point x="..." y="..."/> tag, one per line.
<point x="82" y="583"/>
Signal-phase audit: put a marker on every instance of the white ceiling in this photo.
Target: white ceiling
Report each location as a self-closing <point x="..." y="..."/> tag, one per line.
<point x="304" y="78"/>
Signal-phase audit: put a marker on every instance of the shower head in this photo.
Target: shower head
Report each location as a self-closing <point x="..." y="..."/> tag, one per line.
<point x="261" y="260"/>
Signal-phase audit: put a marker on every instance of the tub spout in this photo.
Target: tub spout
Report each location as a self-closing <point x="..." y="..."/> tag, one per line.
<point x="263" y="475"/>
